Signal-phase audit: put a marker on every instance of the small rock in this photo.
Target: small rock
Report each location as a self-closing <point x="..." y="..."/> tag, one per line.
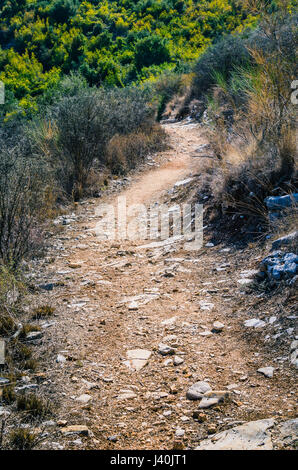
<point x="294" y="358"/>
<point x="206" y="305"/>
<point x="179" y="432"/>
<point x="294" y="345"/>
<point x="178" y="361"/>
<point x="62" y="422"/>
<point x="205" y="333"/>
<point x="47" y="287"/>
<point x="198" y="390"/>
<point x="213" y="398"/>
<point x="60" y="358"/>
<point x="168" y="362"/>
<point x="267" y="371"/>
<point x="245" y="281"/>
<point x="165" y="350"/>
<point x="137" y="358"/>
<point x="84" y="398"/>
<point x="255" y="323"/>
<point x="33" y="335"/>
<point x="169" y="321"/>
<point x="211" y="429"/>
<point x="126" y="395"/>
<point x="217" y="327"/>
<point x="79" y="429"/>
<point x="133" y="306"/>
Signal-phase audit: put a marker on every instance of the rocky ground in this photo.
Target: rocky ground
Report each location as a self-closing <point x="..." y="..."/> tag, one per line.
<point x="155" y="347"/>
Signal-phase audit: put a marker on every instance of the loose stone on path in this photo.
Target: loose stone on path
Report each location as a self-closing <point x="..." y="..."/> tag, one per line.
<point x="266" y="371"/>
<point x="137" y="358"/>
<point x="197" y="390"/>
<point x="248" y="436"/>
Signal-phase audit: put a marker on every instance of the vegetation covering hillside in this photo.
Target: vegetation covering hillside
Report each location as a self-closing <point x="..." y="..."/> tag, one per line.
<point x="109" y="42"/>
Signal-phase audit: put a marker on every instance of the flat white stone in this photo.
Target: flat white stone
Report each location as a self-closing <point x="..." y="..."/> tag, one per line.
<point x="206" y="305"/>
<point x="84" y="398"/>
<point x="137" y="358"/>
<point x="126" y="395"/>
<point x="169" y="321"/>
<point x="245" y="281"/>
<point x="255" y="323"/>
<point x="248" y="436"/>
<point x="267" y="371"/>
<point x="183" y="182"/>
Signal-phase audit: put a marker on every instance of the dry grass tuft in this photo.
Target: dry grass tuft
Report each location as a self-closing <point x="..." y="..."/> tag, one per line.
<point x="42" y="312"/>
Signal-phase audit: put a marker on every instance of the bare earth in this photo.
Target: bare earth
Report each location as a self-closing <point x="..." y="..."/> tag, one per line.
<point x="95" y="325"/>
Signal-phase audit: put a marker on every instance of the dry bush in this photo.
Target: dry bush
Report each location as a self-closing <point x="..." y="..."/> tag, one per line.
<point x="11" y="289"/>
<point x="33" y="405"/>
<point x="74" y="135"/>
<point x="22" y="194"/>
<point x="252" y="126"/>
<point x="22" y="439"/>
<point x="8" y="395"/>
<point x="71" y="139"/>
<point x="170" y="89"/>
<point x="127" y="151"/>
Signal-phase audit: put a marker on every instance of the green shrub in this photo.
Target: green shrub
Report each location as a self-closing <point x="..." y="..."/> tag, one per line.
<point x="222" y="57"/>
<point x="151" y="50"/>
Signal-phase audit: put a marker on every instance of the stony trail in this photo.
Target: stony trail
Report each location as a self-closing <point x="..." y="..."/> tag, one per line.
<point x="134" y="330"/>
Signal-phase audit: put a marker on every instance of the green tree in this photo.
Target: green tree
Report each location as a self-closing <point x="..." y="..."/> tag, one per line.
<point x="151" y="50"/>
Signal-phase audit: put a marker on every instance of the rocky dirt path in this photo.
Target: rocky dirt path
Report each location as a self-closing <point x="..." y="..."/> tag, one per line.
<point x="134" y="329"/>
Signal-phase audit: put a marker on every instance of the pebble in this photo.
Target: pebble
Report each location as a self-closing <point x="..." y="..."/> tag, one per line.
<point x="137" y="358"/>
<point x="179" y="432"/>
<point x="267" y="371"/>
<point x="254" y="323"/>
<point x="165" y="350"/>
<point x="76" y="429"/>
<point x="217" y="327"/>
<point x="197" y="390"/>
<point x="33" y="335"/>
<point x="212" y="398"/>
<point x="84" y="398"/>
<point x="178" y="361"/>
<point x="60" y="358"/>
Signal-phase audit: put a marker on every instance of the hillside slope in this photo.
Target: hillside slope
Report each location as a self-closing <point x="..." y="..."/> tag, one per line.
<point x="109" y="42"/>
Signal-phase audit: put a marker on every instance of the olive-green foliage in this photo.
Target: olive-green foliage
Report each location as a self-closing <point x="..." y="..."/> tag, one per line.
<point x="109" y="42"/>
